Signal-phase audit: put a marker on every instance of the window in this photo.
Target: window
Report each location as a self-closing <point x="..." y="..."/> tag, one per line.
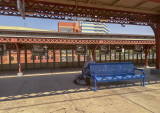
<point x="112" y="54"/>
<point x="126" y="55"/>
<point x="107" y="56"/>
<point x="33" y="57"/>
<point x="102" y="57"/>
<point x="63" y="53"/>
<point x="14" y="51"/>
<point x="52" y="57"/>
<point x="122" y="56"/>
<point x="69" y="52"/>
<point x="40" y="57"/>
<point x="57" y="55"/>
<point x="47" y="57"/>
<point x="22" y="55"/>
<point x="29" y="56"/>
<point x="81" y="57"/>
<point x="97" y="55"/>
<point x="118" y="56"/>
<point x="130" y="54"/>
<point x="75" y="57"/>
<point x="12" y="58"/>
<point x="63" y="29"/>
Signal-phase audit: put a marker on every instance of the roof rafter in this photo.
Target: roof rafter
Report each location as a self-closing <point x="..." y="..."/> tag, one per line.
<point x="156" y="8"/>
<point x="153" y="1"/>
<point x="140" y="4"/>
<point x="115" y="2"/>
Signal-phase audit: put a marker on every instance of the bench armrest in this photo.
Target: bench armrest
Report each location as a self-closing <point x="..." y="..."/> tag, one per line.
<point x="92" y="73"/>
<point x="140" y="70"/>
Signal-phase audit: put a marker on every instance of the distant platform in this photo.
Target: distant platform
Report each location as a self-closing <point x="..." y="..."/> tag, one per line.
<point x="155" y="71"/>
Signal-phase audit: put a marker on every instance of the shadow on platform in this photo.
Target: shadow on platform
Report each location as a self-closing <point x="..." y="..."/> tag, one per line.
<point x="50" y="82"/>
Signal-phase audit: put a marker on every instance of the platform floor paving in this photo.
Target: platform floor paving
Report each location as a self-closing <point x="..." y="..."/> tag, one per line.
<point x="53" y="91"/>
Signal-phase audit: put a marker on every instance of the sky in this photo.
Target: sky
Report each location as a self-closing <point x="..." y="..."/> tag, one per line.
<point x="52" y="24"/>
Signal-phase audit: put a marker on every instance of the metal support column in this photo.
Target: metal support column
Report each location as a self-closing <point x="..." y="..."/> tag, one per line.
<point x="119" y="56"/>
<point x="156" y="29"/>
<point x="61" y="58"/>
<point x="72" y="57"/>
<point x="137" y="58"/>
<point x="157" y="36"/>
<point x="25" y="57"/>
<point x="41" y="57"/>
<point x="78" y="60"/>
<point x="66" y="58"/>
<point x="18" y="60"/>
<point x="110" y="55"/>
<point x="94" y="52"/>
<point x="146" y="51"/>
<point x="47" y="57"/>
<point x="1" y="62"/>
<point x="54" y="58"/>
<point x="10" y="59"/>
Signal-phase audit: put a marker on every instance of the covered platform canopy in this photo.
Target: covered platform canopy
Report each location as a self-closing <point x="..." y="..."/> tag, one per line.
<point x="24" y="40"/>
<point x="136" y="12"/>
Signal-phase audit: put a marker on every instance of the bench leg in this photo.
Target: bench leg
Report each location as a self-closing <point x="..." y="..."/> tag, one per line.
<point x="143" y="82"/>
<point x="95" y="85"/>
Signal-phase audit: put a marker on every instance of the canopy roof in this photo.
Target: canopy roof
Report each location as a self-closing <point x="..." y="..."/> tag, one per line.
<point x="138" y="12"/>
<point x="143" y="6"/>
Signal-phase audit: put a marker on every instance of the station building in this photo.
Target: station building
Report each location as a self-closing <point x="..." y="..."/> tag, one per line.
<point x="61" y="51"/>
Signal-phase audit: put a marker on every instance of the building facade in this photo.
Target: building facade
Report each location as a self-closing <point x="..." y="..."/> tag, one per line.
<point x="94" y="27"/>
<point x="62" y="49"/>
<point x="69" y="27"/>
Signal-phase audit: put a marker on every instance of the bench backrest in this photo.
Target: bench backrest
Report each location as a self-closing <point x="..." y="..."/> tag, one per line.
<point x="104" y="69"/>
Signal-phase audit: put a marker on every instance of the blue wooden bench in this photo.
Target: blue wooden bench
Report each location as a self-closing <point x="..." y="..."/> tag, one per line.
<point x="107" y="72"/>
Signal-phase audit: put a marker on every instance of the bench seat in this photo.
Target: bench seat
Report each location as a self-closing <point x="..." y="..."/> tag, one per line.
<point x="118" y="78"/>
<point x="108" y="72"/>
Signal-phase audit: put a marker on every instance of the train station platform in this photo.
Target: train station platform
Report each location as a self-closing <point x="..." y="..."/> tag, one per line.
<point x="53" y="91"/>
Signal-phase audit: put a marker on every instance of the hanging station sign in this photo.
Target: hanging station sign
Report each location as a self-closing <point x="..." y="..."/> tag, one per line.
<point x="138" y="48"/>
<point x="154" y="48"/>
<point x="39" y="50"/>
<point x="119" y="48"/>
<point x="104" y="49"/>
<point x="81" y="49"/>
<point x="2" y="49"/>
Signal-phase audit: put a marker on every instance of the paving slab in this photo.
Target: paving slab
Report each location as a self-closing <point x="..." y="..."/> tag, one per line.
<point x="53" y="91"/>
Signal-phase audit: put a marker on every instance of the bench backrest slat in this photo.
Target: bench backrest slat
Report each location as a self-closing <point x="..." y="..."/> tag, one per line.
<point x="104" y="69"/>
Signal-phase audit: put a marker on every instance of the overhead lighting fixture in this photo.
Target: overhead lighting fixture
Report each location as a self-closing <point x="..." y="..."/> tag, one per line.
<point x="81" y="49"/>
<point x="21" y="8"/>
<point x="104" y="49"/>
<point x="138" y="48"/>
<point x="119" y="48"/>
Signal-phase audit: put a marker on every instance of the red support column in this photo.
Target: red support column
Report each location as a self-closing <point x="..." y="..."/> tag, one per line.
<point x="146" y="58"/>
<point x="146" y="51"/>
<point x="94" y="52"/>
<point x="19" y="62"/>
<point x="156" y="29"/>
<point x="157" y="36"/>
